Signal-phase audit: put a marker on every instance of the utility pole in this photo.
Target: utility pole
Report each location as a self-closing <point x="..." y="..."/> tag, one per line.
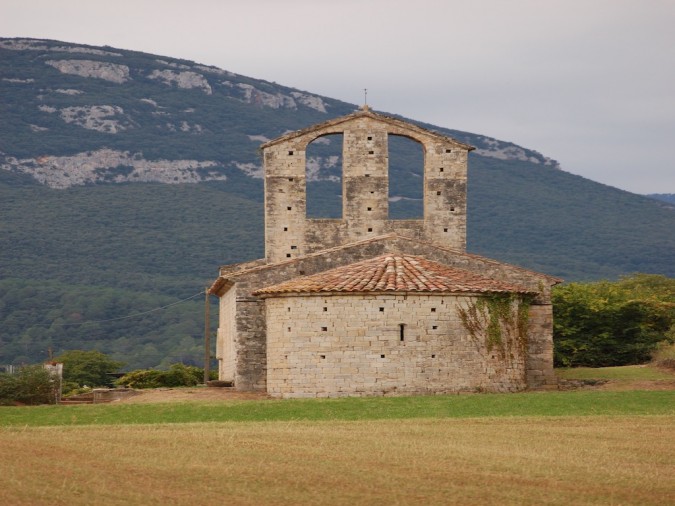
<point x="207" y="337"/>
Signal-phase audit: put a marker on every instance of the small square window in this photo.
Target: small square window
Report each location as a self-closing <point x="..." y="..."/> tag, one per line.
<point x="440" y="170"/>
<point x="288" y="255"/>
<point x="370" y="138"/>
<point x="381" y="310"/>
<point x="372" y="193"/>
<point x="290" y="179"/>
<point x="434" y="327"/>
<point x="285" y="229"/>
<point x="452" y="209"/>
<point x="371" y="152"/>
<point x="289" y="329"/>
<point x="381" y="356"/>
<point x="290" y="152"/>
<point x="438" y="193"/>
<point x="289" y="309"/>
<point x="323" y="357"/>
<point x="433" y="356"/>
<point x="433" y="309"/>
<point x="448" y="150"/>
<point x="294" y="247"/>
<point x="325" y="309"/>
<point x="370" y="229"/>
<point x="302" y="273"/>
<point x="445" y="230"/>
<point x="367" y="175"/>
<point x="289" y="208"/>
<point x="370" y="209"/>
<point x="324" y="329"/>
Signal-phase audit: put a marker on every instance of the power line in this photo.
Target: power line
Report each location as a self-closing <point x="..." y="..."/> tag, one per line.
<point x="121" y="317"/>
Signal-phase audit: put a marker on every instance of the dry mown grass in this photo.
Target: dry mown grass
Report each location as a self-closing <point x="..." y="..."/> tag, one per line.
<point x="569" y="460"/>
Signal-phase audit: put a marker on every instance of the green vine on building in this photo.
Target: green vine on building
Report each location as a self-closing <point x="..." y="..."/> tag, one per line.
<point x="498" y="323"/>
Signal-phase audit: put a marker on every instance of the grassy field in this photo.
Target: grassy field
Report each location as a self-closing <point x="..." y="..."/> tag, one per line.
<point x="572" y="403"/>
<point x="569" y="447"/>
<point x="520" y="460"/>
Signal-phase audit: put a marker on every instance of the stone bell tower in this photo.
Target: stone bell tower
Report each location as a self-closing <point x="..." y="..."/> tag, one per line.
<point x="365" y="179"/>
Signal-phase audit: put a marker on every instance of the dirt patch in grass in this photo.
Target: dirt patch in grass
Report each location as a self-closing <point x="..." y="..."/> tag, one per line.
<point x="161" y="395"/>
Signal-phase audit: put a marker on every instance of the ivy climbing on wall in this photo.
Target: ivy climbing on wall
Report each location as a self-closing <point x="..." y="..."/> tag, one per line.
<point x="498" y="324"/>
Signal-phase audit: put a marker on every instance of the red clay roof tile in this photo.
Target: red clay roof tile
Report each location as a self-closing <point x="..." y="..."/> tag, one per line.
<point x="393" y="273"/>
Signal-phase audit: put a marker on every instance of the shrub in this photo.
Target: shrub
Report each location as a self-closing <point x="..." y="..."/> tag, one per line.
<point x="178" y="375"/>
<point x="611" y="324"/>
<point x="32" y="385"/>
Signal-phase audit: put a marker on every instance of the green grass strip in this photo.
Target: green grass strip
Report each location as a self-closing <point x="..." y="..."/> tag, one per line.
<point x="573" y="403"/>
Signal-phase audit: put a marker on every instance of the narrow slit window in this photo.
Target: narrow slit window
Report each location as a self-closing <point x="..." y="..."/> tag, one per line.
<point x="289" y="309"/>
<point x="401" y="331"/>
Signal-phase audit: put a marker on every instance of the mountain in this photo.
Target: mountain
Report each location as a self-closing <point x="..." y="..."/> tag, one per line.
<point x="663" y="197"/>
<point x="126" y="179"/>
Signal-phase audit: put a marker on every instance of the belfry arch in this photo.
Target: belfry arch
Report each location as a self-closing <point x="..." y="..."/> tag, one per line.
<point x="323" y="176"/>
<point x="406" y="177"/>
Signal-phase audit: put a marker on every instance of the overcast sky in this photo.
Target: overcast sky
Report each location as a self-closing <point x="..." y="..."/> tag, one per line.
<point x="590" y="83"/>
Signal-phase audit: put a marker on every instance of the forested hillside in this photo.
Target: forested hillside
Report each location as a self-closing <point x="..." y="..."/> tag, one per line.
<point x="126" y="179"/>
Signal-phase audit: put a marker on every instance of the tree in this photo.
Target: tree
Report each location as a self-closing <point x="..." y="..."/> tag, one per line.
<point x="31" y="385"/>
<point x="608" y="324"/>
<point x="91" y="368"/>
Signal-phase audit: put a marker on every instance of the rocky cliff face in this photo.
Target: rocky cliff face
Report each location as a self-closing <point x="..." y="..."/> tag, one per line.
<point x="86" y="115"/>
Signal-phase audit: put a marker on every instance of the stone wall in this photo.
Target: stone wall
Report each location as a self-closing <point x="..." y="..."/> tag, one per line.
<point x="330" y="346"/>
<point x="365" y="175"/>
<point x="539" y="363"/>
<point x="227" y="334"/>
<point x="251" y="330"/>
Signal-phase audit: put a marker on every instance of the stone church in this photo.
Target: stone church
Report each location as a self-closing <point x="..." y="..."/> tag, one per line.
<point x="368" y="305"/>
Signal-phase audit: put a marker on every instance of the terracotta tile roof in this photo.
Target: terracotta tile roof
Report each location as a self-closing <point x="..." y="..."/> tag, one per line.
<point x="393" y="273"/>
